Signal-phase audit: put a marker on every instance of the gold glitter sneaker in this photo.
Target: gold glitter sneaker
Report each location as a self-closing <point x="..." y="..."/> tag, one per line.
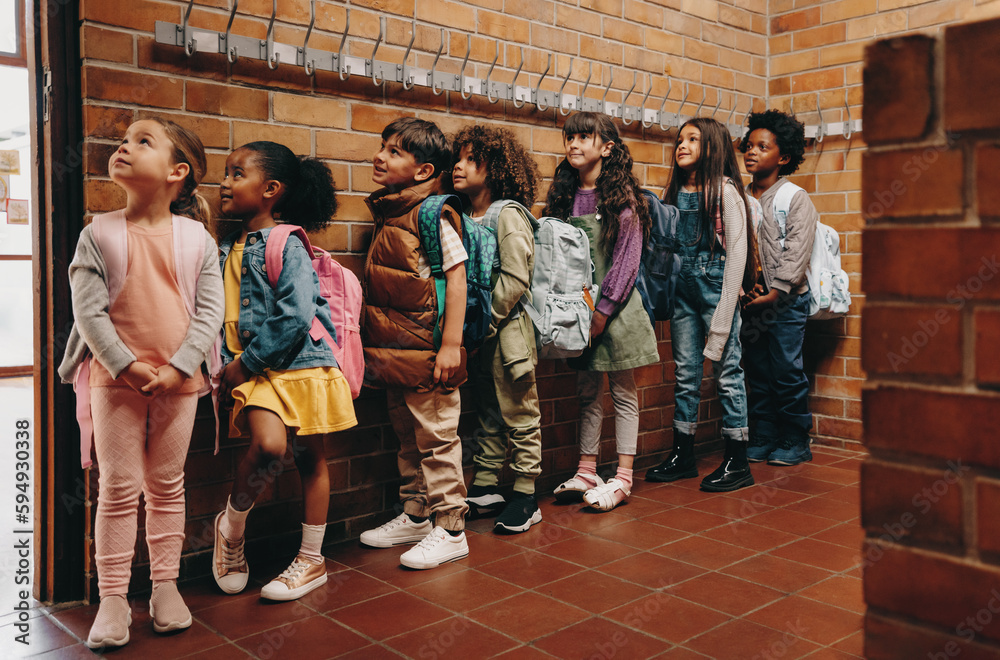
<point x="301" y="577"/>
<point x="229" y="566"/>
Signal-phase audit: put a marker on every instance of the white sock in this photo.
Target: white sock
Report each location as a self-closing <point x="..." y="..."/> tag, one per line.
<point x="234" y="523"/>
<point x="312" y="542"/>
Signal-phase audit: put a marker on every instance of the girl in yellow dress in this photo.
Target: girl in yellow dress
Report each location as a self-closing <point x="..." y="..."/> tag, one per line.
<point x="282" y="381"/>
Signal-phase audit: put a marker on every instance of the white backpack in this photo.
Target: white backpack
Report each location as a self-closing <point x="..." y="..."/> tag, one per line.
<point x="829" y="285"/>
<point x="562" y="285"/>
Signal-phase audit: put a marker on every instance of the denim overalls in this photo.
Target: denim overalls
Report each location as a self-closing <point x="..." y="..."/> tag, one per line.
<point x="699" y="288"/>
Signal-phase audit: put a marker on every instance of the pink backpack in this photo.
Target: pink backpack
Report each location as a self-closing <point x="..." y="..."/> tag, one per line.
<point x="341" y="289"/>
<point x="110" y="232"/>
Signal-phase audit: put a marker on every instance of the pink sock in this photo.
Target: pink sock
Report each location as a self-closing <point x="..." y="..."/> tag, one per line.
<point x="625" y="476"/>
<point x="587" y="471"/>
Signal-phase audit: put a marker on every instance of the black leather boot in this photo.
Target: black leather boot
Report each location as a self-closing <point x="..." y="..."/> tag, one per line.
<point x="734" y="473"/>
<point x="679" y="465"/>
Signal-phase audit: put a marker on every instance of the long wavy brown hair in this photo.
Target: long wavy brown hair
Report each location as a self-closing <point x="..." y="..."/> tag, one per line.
<point x="617" y="186"/>
<point x="716" y="164"/>
<point x="511" y="172"/>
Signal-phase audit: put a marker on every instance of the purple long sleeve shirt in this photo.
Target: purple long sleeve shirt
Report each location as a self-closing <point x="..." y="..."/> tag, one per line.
<point x="625" y="257"/>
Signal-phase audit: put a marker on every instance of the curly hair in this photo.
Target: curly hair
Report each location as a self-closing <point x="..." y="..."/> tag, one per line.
<point x="310" y="197"/>
<point x="511" y="172"/>
<point x="789" y="133"/>
<point x="617" y="187"/>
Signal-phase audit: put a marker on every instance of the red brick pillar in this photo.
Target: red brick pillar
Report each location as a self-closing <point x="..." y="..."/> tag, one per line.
<point x="931" y="345"/>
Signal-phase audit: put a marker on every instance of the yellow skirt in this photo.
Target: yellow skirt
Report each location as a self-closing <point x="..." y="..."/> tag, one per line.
<point x="311" y="401"/>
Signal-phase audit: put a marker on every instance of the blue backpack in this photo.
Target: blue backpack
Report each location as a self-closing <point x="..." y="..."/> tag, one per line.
<point x="657" y="280"/>
<point x="481" y="245"/>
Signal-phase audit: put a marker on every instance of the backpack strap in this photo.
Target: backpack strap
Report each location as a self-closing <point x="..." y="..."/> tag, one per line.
<point x="110" y="232"/>
<point x="189" y="253"/>
<point x="429" y="226"/>
<point x="781" y="203"/>
<point x="492" y="220"/>
<point x="274" y="249"/>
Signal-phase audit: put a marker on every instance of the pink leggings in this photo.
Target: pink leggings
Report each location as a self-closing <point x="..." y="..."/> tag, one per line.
<point x="141" y="446"/>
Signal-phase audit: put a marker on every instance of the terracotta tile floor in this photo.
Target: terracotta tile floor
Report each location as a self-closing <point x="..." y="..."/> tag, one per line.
<point x="766" y="572"/>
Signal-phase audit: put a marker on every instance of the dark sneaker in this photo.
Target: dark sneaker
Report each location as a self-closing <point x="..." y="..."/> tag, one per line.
<point x="484" y="502"/>
<point x="790" y="452"/>
<point x="760" y="448"/>
<point x="519" y="515"/>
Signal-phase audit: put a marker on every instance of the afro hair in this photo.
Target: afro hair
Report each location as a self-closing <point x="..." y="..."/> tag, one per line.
<point x="789" y="133"/>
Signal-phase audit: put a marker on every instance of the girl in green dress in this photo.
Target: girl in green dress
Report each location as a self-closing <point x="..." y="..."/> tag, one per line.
<point x="594" y="189"/>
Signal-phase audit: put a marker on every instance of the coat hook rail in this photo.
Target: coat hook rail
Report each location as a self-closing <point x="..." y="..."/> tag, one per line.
<point x="236" y="48"/>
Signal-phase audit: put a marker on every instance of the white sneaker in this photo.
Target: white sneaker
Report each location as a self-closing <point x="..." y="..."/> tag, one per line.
<point x="574" y="488"/>
<point x="438" y="547"/>
<point x="607" y="496"/>
<point x="398" y="531"/>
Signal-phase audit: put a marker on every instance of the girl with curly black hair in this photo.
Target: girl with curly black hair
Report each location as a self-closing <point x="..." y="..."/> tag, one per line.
<point x="497" y="176"/>
<point x="775" y="311"/>
<point x="280" y="374"/>
<point x="595" y="189"/>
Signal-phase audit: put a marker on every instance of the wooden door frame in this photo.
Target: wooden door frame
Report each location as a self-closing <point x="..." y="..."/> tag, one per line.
<point x="61" y="555"/>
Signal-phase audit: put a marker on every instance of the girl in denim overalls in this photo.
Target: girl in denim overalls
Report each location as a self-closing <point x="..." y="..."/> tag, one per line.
<point x="719" y="258"/>
<point x="278" y="378"/>
<point x="594" y="189"/>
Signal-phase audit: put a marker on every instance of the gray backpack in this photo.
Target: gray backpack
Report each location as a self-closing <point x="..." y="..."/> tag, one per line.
<point x="562" y="285"/>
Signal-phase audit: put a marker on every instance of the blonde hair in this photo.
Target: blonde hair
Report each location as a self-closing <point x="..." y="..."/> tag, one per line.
<point x="188" y="149"/>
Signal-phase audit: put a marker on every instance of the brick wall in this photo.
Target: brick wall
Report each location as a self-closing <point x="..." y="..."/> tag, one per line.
<point x="816" y="48"/>
<point x="930" y="487"/>
<point x="726" y="52"/>
<point x="702" y="46"/>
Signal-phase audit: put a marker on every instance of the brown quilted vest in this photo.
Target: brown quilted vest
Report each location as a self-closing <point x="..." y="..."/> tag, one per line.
<point x="397" y="324"/>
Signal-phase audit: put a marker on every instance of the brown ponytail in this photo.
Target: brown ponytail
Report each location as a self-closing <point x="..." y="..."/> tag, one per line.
<point x="188" y="149"/>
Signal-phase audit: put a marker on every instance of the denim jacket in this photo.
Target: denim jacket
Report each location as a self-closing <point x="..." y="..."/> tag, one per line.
<point x="274" y="322"/>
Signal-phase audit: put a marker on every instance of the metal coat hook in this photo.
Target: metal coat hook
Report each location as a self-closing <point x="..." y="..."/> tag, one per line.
<point x="586" y="83"/>
<point x="190" y="45"/>
<point x="791" y="105"/>
<point x="378" y="42"/>
<point x="342" y="67"/>
<point x="538" y="100"/>
<point x="562" y="110"/>
<point x="407" y="78"/>
<point x="310" y="65"/>
<point x="687" y="91"/>
<point x="486" y="84"/>
<point x="732" y="110"/>
<point x="461" y="74"/>
<point x="231" y="53"/>
<point x="848" y="129"/>
<point x="434" y="87"/>
<point x="611" y="79"/>
<point x="513" y="83"/>
<point x="670" y="85"/>
<point x="624" y="108"/>
<point x="821" y="129"/>
<point x="273" y="58"/>
<point x="704" y="95"/>
<point x="642" y="108"/>
<point x="717" y="105"/>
